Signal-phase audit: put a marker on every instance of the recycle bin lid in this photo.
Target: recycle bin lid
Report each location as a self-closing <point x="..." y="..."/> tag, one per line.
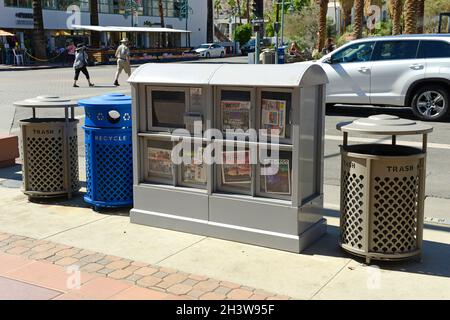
<point x="46" y="101"/>
<point x="384" y="124"/>
<point x="110" y="99"/>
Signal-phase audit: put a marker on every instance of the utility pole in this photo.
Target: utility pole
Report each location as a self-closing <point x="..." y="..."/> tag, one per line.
<point x="258" y="25"/>
<point x="276" y="27"/>
<point x="282" y="23"/>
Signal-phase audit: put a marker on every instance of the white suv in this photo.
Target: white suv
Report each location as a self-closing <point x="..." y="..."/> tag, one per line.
<point x="407" y="71"/>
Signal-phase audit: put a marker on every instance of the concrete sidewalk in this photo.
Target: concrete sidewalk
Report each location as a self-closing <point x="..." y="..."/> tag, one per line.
<point x="323" y="271"/>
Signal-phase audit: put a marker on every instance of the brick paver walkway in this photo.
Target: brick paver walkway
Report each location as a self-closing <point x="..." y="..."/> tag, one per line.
<point x="48" y="265"/>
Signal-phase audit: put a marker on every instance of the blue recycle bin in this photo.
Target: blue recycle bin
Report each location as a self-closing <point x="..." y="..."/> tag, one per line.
<point x="281" y="54"/>
<point x="109" y="156"/>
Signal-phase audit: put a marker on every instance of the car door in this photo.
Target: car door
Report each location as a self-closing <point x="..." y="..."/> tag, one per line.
<point x="217" y="50"/>
<point x="395" y="67"/>
<point x="348" y="71"/>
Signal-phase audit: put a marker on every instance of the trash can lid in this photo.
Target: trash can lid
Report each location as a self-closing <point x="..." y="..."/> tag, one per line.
<point x="384" y="124"/>
<point x="110" y="99"/>
<point x="46" y="101"/>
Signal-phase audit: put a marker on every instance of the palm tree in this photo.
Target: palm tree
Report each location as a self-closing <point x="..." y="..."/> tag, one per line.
<point x="396" y="8"/>
<point x="410" y="17"/>
<point x="210" y="21"/>
<point x="95" y="36"/>
<point x="39" y="42"/>
<point x="218" y="7"/>
<point x="420" y="15"/>
<point x="247" y="10"/>
<point x="358" y="19"/>
<point x="161" y="17"/>
<point x="239" y="12"/>
<point x="323" y="8"/>
<point x="347" y="6"/>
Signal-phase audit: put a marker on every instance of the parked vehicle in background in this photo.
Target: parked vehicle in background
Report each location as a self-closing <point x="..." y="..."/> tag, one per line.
<point x="210" y="50"/>
<point x="250" y="45"/>
<point x="406" y="71"/>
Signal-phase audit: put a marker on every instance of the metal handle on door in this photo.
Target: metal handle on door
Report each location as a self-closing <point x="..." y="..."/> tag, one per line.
<point x="416" y="66"/>
<point x="363" y="69"/>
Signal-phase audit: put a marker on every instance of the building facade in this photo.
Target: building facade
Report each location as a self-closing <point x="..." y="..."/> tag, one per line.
<point x="16" y="16"/>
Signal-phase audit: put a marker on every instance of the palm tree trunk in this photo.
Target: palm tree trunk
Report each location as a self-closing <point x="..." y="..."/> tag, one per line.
<point x="238" y="4"/>
<point x="210" y="21"/>
<point x="420" y="15"/>
<point x="95" y="36"/>
<point x="322" y="24"/>
<point x="396" y="14"/>
<point x="358" y="19"/>
<point x="411" y="17"/>
<point x="161" y="17"/>
<point x="247" y="8"/>
<point x="39" y="43"/>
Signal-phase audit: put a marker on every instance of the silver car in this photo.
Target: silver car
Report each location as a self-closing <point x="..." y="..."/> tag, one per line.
<point x="406" y="71"/>
<point x="210" y="50"/>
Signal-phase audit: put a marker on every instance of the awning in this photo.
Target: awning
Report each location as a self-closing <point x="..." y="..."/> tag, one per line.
<point x="128" y="29"/>
<point x="3" y="33"/>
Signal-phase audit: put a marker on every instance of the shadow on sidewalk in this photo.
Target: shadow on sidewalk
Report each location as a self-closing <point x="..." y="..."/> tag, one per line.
<point x="435" y="255"/>
<point x="13" y="179"/>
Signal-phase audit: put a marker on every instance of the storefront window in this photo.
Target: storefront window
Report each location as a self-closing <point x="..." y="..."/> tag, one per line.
<point x="18" y="3"/>
<point x="50" y="4"/>
<point x="104" y="6"/>
<point x="170" y="7"/>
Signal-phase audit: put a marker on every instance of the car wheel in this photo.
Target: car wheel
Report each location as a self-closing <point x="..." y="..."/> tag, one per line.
<point x="222" y="54"/>
<point x="430" y="103"/>
<point x="207" y="55"/>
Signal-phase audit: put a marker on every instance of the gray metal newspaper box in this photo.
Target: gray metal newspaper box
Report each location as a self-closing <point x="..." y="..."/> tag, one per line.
<point x="219" y="111"/>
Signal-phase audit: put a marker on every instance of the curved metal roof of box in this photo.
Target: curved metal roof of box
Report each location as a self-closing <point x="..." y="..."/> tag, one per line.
<point x="46" y="102"/>
<point x="384" y="124"/>
<point x="269" y="75"/>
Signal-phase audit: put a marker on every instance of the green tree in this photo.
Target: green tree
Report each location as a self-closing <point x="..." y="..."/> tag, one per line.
<point x="243" y="33"/>
<point x="218" y="6"/>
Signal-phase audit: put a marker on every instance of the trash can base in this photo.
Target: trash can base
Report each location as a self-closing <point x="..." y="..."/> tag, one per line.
<point x="98" y="205"/>
<point x="416" y="254"/>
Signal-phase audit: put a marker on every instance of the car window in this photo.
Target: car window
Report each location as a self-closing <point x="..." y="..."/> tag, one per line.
<point x="434" y="49"/>
<point x="395" y="50"/>
<point x="358" y="52"/>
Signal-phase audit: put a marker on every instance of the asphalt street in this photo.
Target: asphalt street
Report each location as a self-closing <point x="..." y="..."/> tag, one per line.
<point x="18" y="85"/>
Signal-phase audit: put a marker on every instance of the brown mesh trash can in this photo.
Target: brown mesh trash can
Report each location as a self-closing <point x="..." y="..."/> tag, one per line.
<point x="382" y="191"/>
<point x="49" y="150"/>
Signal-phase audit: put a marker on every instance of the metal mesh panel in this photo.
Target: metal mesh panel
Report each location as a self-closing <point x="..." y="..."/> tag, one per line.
<point x="394" y="225"/>
<point x="109" y="167"/>
<point x="44" y="161"/>
<point x="352" y="210"/>
<point x="381" y="202"/>
<point x="73" y="155"/>
<point x="114" y="182"/>
<point x="45" y="170"/>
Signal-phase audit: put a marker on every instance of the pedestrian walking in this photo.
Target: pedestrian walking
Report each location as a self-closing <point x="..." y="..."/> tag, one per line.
<point x="70" y="49"/>
<point x="80" y="65"/>
<point x="123" y="60"/>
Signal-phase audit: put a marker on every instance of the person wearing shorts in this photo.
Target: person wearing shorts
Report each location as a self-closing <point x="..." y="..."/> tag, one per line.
<point x="123" y="60"/>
